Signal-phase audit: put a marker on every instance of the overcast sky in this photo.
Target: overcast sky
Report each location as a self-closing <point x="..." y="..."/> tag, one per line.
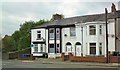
<point x="16" y="12"/>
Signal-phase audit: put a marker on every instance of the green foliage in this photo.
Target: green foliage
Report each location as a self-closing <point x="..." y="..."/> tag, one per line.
<point x="20" y="39"/>
<point x="7" y="44"/>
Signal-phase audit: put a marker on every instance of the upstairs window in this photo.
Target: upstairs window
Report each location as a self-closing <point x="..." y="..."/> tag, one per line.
<point x="51" y="33"/>
<point x="72" y="31"/>
<point x="92" y="30"/>
<point x="38" y="35"/>
<point x="57" y="33"/>
<point x="100" y="29"/>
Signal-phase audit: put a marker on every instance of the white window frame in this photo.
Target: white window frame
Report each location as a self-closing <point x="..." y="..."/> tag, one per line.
<point x="100" y="29"/>
<point x="38" y="33"/>
<point x="35" y="46"/>
<point x="41" y="48"/>
<point x="51" y="35"/>
<point x="92" y="47"/>
<point x="57" y="34"/>
<point x="94" y="29"/>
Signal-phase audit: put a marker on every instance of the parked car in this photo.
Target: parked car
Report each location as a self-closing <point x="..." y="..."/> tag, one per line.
<point x="116" y="53"/>
<point x="40" y="54"/>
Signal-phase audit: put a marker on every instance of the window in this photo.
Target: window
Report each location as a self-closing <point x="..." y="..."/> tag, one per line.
<point x="38" y="35"/>
<point x="51" y="33"/>
<point x="100" y="29"/>
<point x="92" y="30"/>
<point x="58" y="48"/>
<point x="86" y="30"/>
<point x="57" y="33"/>
<point x="100" y="48"/>
<point x="72" y="31"/>
<point x="41" y="48"/>
<point x="92" y="48"/>
<point x="51" y="48"/>
<point x="35" y="47"/>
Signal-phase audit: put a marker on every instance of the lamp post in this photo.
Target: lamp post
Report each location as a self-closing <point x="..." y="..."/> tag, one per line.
<point x="107" y="56"/>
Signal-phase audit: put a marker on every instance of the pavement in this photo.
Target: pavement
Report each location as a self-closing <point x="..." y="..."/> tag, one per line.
<point x="59" y="61"/>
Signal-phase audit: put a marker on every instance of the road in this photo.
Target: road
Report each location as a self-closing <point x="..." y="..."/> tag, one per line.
<point x="46" y="64"/>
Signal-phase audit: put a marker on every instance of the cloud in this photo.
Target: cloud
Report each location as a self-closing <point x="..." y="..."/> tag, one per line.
<point x="16" y="13"/>
<point x="119" y="5"/>
<point x="60" y="0"/>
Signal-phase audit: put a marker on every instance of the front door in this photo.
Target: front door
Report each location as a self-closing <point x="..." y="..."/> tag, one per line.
<point x="68" y="49"/>
<point x="78" y="50"/>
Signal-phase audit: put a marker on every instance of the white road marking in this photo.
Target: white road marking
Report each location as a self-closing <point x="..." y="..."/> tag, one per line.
<point x="27" y="61"/>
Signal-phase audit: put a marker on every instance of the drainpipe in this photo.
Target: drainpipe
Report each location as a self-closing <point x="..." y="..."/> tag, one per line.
<point x="115" y="35"/>
<point x="45" y="41"/>
<point x="82" y="41"/>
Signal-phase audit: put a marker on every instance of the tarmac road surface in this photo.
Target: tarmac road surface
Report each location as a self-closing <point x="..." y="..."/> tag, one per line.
<point x="45" y="63"/>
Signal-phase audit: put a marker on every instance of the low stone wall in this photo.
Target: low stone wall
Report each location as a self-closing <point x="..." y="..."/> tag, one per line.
<point x="17" y="55"/>
<point x="5" y="56"/>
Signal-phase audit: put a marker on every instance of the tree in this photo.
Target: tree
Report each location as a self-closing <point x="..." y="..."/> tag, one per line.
<point x="7" y="44"/>
<point x="20" y="39"/>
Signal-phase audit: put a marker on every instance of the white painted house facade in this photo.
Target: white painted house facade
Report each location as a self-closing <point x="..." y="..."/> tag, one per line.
<point x="81" y="35"/>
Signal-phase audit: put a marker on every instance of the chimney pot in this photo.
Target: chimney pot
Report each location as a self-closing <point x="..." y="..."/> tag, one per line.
<point x="57" y="16"/>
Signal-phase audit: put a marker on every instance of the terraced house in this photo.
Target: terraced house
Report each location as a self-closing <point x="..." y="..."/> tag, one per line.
<point x="80" y="35"/>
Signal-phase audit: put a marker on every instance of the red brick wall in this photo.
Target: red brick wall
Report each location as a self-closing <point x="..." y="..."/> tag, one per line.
<point x="89" y="59"/>
<point x="70" y="57"/>
<point x="114" y="59"/>
<point x="65" y="57"/>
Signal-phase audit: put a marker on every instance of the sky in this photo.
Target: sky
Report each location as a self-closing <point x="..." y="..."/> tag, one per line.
<point x="16" y="12"/>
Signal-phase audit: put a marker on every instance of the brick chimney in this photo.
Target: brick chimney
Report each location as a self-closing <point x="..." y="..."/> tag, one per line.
<point x="113" y="8"/>
<point x="57" y="16"/>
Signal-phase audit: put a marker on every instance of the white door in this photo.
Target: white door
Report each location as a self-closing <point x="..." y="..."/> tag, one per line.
<point x="78" y="50"/>
<point x="68" y="49"/>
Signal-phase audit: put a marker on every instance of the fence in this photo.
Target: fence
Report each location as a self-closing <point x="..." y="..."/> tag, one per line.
<point x="18" y="55"/>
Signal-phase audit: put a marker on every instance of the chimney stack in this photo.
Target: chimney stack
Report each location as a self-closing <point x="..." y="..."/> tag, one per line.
<point x="113" y="8"/>
<point x="57" y="16"/>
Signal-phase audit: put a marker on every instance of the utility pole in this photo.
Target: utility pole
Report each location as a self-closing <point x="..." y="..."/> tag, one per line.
<point x="107" y="55"/>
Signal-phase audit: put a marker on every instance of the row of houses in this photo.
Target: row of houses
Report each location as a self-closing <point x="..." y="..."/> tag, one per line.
<point x="80" y="35"/>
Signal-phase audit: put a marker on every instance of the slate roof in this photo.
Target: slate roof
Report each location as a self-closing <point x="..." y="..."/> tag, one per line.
<point x="83" y="19"/>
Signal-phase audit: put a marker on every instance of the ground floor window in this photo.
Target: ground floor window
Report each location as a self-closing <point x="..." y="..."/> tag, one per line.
<point x="92" y="48"/>
<point x="58" y="48"/>
<point x="41" y="48"/>
<point x="35" y="47"/>
<point x="51" y="48"/>
<point x="100" y="48"/>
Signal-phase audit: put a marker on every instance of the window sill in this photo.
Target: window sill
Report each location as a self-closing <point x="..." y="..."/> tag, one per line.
<point x="92" y="35"/>
<point x="51" y="39"/>
<point x="72" y="37"/>
<point x="38" y="39"/>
